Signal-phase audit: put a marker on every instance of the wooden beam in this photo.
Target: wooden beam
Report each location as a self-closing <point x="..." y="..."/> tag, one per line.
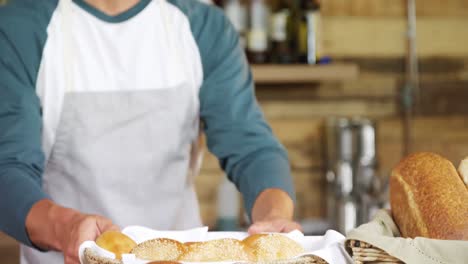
<point x="370" y="88"/>
<point x="320" y="109"/>
<point x="395" y="8"/>
<point x="385" y="36"/>
<point x="297" y="73"/>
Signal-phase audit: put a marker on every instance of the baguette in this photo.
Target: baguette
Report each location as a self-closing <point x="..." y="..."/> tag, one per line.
<point x="428" y="198"/>
<point x="260" y="247"/>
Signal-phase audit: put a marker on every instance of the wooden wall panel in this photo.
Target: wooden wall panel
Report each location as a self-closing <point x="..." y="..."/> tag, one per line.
<point x="310" y="192"/>
<point x="389" y="144"/>
<point x="394" y="8"/>
<point x="319" y="109"/>
<point x="386" y="72"/>
<point x="365" y="87"/>
<point x="207" y="184"/>
<point x="447" y="135"/>
<point x="443" y="97"/>
<point x="357" y="36"/>
<point x="386" y="36"/>
<point x="383" y="87"/>
<point x="296" y="132"/>
<point x="306" y="156"/>
<point x="375" y="8"/>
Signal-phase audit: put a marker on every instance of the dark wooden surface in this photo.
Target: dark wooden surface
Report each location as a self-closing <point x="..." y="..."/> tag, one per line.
<point x="9" y="255"/>
<point x="9" y="250"/>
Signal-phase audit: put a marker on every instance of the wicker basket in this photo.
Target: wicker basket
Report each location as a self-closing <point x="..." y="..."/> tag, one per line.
<point x="362" y="252"/>
<point x="92" y="258"/>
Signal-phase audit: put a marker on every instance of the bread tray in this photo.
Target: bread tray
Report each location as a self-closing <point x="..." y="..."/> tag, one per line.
<point x="328" y="248"/>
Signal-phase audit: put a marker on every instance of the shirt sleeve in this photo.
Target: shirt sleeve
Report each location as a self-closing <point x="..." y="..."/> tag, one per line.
<point x="236" y="130"/>
<point x="21" y="157"/>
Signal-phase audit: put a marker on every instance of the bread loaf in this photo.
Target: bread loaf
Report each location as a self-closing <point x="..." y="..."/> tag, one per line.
<point x="428" y="198"/>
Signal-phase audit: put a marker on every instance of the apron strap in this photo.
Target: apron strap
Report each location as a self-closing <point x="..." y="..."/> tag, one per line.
<point x="168" y="29"/>
<point x="197" y="150"/>
<point x="66" y="19"/>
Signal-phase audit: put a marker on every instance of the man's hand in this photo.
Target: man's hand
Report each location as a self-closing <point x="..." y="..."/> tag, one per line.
<point x="273" y="212"/>
<point x="53" y="227"/>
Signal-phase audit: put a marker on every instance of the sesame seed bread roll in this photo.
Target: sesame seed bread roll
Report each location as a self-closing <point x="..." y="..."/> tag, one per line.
<point x="269" y="247"/>
<point x="159" y="249"/>
<point x="116" y="242"/>
<point x="217" y="250"/>
<point x="428" y="198"/>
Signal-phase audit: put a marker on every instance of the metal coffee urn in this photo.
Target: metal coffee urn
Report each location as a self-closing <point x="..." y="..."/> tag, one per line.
<point x="351" y="164"/>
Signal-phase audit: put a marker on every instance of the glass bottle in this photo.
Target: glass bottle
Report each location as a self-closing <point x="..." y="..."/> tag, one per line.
<point x="283" y="31"/>
<point x="257" y="38"/>
<point x="236" y="11"/>
<point x="309" y="44"/>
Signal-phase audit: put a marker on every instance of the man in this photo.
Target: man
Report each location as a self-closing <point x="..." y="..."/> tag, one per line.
<point x="100" y="102"/>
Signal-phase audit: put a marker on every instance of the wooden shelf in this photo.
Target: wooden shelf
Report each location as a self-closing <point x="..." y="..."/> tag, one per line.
<point x="296" y="73"/>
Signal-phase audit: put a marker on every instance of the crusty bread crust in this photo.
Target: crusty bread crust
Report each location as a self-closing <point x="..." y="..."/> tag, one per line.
<point x="226" y="249"/>
<point x="159" y="249"/>
<point x="269" y="247"/>
<point x="428" y="198"/>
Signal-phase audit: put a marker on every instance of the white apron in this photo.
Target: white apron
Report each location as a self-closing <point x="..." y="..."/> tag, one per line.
<point x="125" y="155"/>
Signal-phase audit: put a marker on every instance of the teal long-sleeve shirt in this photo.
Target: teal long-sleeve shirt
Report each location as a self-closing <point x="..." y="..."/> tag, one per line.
<point x="236" y="130"/>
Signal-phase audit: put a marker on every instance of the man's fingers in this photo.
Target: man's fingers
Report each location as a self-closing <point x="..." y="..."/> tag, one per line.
<point x="260" y="227"/>
<point x="88" y="229"/>
<point x="104" y="225"/>
<point x="267" y="226"/>
<point x="291" y="226"/>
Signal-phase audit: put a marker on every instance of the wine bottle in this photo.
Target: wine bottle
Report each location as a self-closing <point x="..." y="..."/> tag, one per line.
<point x="236" y="11"/>
<point x="257" y="38"/>
<point x="309" y="32"/>
<point x="283" y="27"/>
